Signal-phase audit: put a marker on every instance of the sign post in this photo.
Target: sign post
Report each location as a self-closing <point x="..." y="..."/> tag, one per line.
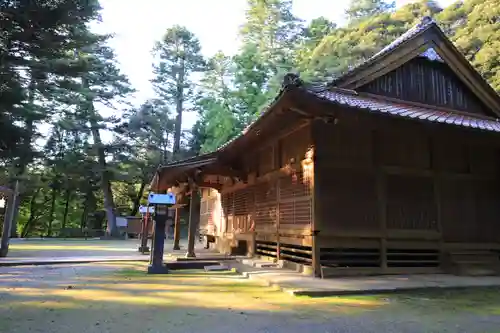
<point x="146" y="212"/>
<point x="161" y="203"/>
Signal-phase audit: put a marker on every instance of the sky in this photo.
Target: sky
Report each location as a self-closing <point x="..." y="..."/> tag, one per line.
<point x="138" y="24"/>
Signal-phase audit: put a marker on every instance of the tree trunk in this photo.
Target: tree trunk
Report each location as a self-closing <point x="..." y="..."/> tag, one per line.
<point x="180" y="101"/>
<point x="86" y="204"/>
<point x="7" y="223"/>
<point x="67" y="197"/>
<point x="109" y="205"/>
<point x="27" y="227"/>
<point x="26" y="149"/>
<point x="137" y="199"/>
<point x="51" y="213"/>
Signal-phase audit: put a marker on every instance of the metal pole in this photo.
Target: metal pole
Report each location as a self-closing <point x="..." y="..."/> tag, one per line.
<point x="7" y="223"/>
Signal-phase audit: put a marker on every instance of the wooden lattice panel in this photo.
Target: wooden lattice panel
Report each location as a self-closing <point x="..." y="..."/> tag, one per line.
<point x="410" y="203"/>
<point x="243" y="205"/>
<point x="265" y="204"/>
<point x="295" y="206"/>
<point x="227" y="202"/>
<point x="407" y="149"/>
<point x="457" y="210"/>
<point x="487" y="211"/>
<point x="204" y="216"/>
<point x="210" y="211"/>
<point x="484" y="159"/>
<point x="349" y="201"/>
<point x="450" y="155"/>
<point x="303" y="211"/>
<point x="344" y="147"/>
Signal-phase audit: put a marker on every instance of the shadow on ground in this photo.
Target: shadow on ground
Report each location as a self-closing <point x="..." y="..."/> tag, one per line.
<point x="120" y="297"/>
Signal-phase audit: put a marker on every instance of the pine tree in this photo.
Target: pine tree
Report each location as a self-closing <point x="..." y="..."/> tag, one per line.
<point x="359" y="10"/>
<point x="178" y="57"/>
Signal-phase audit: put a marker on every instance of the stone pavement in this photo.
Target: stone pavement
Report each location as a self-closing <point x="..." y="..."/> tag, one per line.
<point x="299" y="284"/>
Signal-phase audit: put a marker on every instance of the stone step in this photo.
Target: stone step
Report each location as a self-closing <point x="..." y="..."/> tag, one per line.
<point x="265" y="264"/>
<point x="217" y="268"/>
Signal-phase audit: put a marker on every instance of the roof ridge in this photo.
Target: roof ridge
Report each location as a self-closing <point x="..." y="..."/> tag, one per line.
<point x="425" y="23"/>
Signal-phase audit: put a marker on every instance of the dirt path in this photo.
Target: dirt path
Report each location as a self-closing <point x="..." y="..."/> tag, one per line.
<point x="75" y="248"/>
<point x="121" y="298"/>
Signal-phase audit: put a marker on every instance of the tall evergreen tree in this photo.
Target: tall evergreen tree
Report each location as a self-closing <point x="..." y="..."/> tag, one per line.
<point x="178" y="57"/>
<point x="359" y="10"/>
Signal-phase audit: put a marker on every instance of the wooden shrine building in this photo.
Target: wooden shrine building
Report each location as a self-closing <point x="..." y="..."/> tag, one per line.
<point x="394" y="167"/>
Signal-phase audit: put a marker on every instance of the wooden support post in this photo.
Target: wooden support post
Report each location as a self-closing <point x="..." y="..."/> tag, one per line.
<point x="194" y="220"/>
<point x="310" y="170"/>
<point x="277" y="220"/>
<point x="177" y="229"/>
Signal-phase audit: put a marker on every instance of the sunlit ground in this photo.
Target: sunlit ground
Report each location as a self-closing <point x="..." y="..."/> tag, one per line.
<point x="71" y="248"/>
<point x="120" y="297"/>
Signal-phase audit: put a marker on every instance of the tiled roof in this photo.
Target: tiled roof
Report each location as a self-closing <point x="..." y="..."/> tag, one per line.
<point x="424" y="24"/>
<point x="405" y="110"/>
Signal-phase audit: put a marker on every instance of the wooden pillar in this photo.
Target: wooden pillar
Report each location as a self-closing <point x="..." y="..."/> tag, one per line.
<point x="277" y="220"/>
<point x="177" y="229"/>
<point x="310" y="172"/>
<point x="194" y="220"/>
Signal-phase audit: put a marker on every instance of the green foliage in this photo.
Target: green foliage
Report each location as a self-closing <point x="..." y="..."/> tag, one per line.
<point x="360" y="10"/>
<point x="177" y="58"/>
<point x="57" y="74"/>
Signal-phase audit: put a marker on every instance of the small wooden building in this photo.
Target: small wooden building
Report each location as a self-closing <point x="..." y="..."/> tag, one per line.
<point x="393" y="167"/>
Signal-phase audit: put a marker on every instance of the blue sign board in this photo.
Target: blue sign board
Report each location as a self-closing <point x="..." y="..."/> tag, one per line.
<point x="161" y="199"/>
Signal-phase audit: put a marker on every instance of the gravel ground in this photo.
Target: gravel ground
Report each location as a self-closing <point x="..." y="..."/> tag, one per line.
<point x="121" y="298"/>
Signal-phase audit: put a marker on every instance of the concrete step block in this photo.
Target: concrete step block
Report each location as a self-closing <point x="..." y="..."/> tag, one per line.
<point x="217" y="268"/>
<point x="266" y="265"/>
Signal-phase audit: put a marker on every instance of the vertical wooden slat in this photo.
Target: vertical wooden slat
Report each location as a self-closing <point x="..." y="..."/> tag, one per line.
<point x="381" y="181"/>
